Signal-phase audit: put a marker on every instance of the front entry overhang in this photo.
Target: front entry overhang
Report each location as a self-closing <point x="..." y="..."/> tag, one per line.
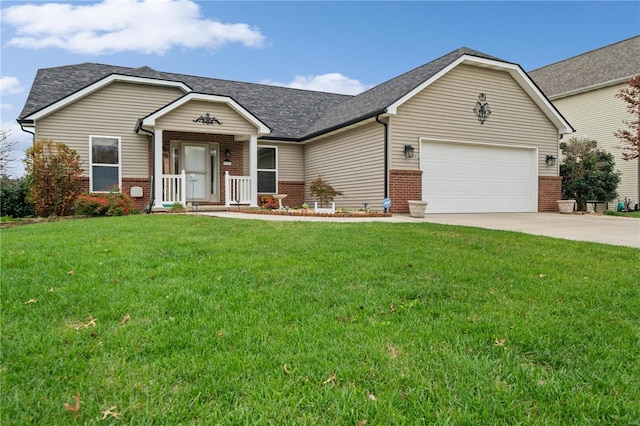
<point x="202" y="113"/>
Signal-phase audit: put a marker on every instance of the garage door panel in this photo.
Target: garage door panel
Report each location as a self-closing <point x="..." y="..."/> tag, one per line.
<point x="478" y="178"/>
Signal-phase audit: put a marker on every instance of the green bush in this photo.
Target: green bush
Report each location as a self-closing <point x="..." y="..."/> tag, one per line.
<point x="588" y="173"/>
<point x="13" y="198"/>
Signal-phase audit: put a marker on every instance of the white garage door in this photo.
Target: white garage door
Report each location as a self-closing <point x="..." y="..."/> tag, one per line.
<point x="478" y="178"/>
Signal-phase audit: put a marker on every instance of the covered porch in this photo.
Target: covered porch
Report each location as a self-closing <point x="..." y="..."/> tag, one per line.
<point x="204" y="152"/>
<point x="206" y="170"/>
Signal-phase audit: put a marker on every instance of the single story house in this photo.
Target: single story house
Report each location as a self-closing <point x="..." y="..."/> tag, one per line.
<point x="583" y="88"/>
<point x="467" y="132"/>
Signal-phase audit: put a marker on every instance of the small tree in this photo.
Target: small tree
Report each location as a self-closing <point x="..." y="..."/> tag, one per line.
<point x="631" y="137"/>
<point x="587" y="172"/>
<point x="7" y="148"/>
<point x="54" y="175"/>
<point x="323" y="191"/>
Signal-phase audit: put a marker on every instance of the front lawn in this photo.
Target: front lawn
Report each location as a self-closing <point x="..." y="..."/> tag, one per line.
<point x="163" y="319"/>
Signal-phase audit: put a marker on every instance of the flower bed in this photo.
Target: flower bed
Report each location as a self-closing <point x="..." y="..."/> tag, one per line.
<point x="310" y="212"/>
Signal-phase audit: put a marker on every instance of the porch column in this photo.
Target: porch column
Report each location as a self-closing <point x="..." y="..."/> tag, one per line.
<point x="253" y="169"/>
<point x="157" y="166"/>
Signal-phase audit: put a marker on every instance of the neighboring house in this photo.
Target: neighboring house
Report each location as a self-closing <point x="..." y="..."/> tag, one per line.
<point x="467" y="132"/>
<point x="584" y="89"/>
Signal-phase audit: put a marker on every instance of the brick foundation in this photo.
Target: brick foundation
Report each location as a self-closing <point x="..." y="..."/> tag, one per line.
<point x="404" y="185"/>
<point x="549" y="192"/>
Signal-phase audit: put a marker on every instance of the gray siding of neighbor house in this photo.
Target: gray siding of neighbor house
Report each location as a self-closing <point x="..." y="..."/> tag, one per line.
<point x="600" y="123"/>
<point x="181" y="119"/>
<point x="444" y="111"/>
<point x="352" y="162"/>
<point x="110" y="111"/>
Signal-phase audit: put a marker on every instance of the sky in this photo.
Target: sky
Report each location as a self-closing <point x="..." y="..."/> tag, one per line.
<point x="342" y="47"/>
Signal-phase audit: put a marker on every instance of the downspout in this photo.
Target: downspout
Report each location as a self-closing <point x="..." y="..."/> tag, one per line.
<point x="152" y="198"/>
<point x="386" y="154"/>
<point x="26" y="131"/>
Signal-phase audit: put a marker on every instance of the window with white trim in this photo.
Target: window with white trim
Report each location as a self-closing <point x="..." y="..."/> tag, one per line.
<point x="104" y="157"/>
<point x="267" y="170"/>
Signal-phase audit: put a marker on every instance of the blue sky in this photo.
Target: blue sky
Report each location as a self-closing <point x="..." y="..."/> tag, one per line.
<point x="343" y="47"/>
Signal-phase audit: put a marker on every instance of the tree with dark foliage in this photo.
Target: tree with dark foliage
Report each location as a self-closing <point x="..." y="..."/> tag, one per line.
<point x="588" y="173"/>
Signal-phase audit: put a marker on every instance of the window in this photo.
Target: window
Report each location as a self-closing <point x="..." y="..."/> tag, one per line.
<point x="104" y="157"/>
<point x="267" y="170"/>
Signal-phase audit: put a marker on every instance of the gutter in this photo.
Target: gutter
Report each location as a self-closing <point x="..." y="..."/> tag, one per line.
<point x="152" y="190"/>
<point x="26" y="131"/>
<point x="386" y="154"/>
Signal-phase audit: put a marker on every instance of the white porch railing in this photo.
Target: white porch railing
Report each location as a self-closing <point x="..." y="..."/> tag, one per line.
<point x="237" y="189"/>
<point x="174" y="189"/>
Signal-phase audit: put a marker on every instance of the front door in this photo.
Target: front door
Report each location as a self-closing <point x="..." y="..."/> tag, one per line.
<point x="200" y="163"/>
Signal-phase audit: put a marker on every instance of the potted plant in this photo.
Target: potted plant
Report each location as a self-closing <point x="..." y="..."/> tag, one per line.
<point x="325" y="194"/>
<point x="566" y="206"/>
<point x="417" y="208"/>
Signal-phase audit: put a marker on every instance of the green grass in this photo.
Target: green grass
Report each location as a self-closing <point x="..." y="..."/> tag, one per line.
<point x="389" y="323"/>
<point x="635" y="214"/>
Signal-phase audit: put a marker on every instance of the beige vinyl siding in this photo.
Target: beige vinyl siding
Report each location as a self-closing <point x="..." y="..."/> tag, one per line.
<point x="181" y="119"/>
<point x="352" y="162"/>
<point x="110" y="111"/>
<point x="290" y="162"/>
<point x="444" y="111"/>
<point x="598" y="114"/>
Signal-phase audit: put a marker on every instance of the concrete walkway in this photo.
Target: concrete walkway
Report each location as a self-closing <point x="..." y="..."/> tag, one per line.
<point x="612" y="230"/>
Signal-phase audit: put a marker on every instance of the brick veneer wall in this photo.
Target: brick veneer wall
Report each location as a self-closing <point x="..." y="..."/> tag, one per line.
<point x="549" y="192"/>
<point x="137" y="203"/>
<point x="294" y="191"/>
<point x="404" y="185"/>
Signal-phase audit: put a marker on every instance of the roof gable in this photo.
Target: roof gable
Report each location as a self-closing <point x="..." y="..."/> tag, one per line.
<point x="87" y="90"/>
<point x="387" y="97"/>
<point x="375" y="100"/>
<point x="601" y="67"/>
<point x="150" y="120"/>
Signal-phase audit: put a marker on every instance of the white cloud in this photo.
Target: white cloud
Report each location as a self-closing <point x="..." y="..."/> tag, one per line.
<point x="142" y="26"/>
<point x="9" y="86"/>
<point x="331" y="82"/>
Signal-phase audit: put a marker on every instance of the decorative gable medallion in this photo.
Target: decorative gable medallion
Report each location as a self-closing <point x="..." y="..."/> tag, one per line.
<point x="482" y="109"/>
<point x="207" y="119"/>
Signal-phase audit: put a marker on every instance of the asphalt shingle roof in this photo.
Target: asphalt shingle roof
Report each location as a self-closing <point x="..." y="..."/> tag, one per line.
<point x="607" y="64"/>
<point x="291" y="113"/>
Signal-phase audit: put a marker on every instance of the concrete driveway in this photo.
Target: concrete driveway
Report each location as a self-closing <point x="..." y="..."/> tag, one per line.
<point x="612" y="230"/>
<point x="622" y="231"/>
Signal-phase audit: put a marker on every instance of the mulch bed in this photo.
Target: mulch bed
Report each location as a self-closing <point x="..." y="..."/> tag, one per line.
<point x="311" y="213"/>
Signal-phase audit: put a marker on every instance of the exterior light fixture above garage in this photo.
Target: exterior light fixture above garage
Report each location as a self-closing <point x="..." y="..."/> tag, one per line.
<point x="408" y="151"/>
<point x="551" y="160"/>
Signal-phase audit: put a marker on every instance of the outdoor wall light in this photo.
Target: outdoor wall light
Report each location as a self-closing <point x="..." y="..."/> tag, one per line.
<point x="408" y="151"/>
<point x="227" y="158"/>
<point x="551" y="160"/>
